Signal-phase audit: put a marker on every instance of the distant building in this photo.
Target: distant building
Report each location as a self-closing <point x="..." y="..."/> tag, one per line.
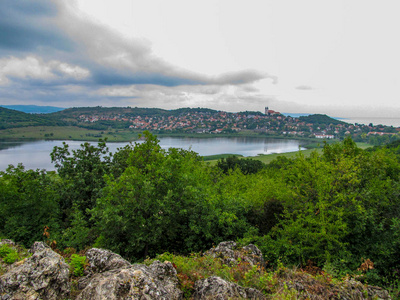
<point x="270" y="112"/>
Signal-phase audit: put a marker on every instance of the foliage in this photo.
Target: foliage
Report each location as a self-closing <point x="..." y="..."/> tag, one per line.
<point x="82" y="172"/>
<point x="5" y="250"/>
<point x="246" y="165"/>
<point x="195" y="267"/>
<point x="11" y="257"/>
<point x="28" y="203"/>
<point x="77" y="263"/>
<point x="163" y="201"/>
<point x="10" y="254"/>
<point x="320" y="119"/>
<point x="339" y="207"/>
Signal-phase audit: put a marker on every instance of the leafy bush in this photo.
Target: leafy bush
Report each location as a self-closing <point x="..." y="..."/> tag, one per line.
<point x="5" y="250"/>
<point x="11" y="257"/>
<point x="78" y="263"/>
<point x="9" y="254"/>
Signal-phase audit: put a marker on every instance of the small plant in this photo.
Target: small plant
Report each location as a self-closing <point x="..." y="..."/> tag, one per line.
<point x="11" y="257"/>
<point x="78" y="263"/>
<point x="5" y="250"/>
<point x="9" y="254"/>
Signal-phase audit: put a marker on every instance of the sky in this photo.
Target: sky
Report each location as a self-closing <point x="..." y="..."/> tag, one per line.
<point x="337" y="57"/>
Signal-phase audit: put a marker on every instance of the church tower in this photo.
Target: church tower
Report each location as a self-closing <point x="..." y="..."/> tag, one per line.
<point x="266" y="110"/>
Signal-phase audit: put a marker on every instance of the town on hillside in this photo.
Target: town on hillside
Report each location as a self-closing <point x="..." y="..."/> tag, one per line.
<point x="270" y="123"/>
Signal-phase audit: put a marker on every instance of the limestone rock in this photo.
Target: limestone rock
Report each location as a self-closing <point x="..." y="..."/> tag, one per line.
<point x="219" y="289"/>
<point x="6" y="242"/>
<point x="38" y="246"/>
<point x="157" y="281"/>
<point x="230" y="253"/>
<point x="44" y="275"/>
<point x="101" y="260"/>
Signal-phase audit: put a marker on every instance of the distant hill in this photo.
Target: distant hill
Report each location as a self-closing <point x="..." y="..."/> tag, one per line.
<point x="10" y="118"/>
<point x="75" y="112"/>
<point x="34" y="109"/>
<point x="320" y="119"/>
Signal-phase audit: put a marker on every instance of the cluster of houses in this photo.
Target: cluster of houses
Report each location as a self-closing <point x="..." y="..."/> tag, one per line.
<point x="213" y="122"/>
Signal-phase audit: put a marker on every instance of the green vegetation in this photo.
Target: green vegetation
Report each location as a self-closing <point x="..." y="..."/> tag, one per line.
<point x="334" y="208"/>
<point x="77" y="264"/>
<point x="67" y="133"/>
<point x="320" y="120"/>
<point x="10" y="254"/>
<point x="12" y="119"/>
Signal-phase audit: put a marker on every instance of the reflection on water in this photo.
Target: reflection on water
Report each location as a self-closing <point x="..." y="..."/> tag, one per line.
<point x="36" y="155"/>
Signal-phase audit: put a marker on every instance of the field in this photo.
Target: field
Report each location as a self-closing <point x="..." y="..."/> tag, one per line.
<point x="67" y="133"/>
<point x="267" y="158"/>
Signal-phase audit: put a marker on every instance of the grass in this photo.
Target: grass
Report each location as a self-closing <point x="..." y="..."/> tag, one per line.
<point x="267" y="158"/>
<point x="66" y="133"/>
<point x="219" y="156"/>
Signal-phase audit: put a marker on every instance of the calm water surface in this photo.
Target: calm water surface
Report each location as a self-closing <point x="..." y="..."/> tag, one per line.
<point x="36" y="155"/>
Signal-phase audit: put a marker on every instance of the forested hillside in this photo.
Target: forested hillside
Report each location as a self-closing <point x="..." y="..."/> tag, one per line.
<point x="11" y="119"/>
<point x="337" y="212"/>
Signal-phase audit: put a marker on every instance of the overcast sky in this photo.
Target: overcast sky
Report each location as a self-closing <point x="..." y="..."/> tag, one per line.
<point x="336" y="57"/>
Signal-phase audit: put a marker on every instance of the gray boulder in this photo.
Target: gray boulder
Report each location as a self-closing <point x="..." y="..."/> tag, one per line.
<point x="44" y="275"/>
<point x="101" y="260"/>
<point x="158" y="281"/>
<point x="230" y="254"/>
<point x="219" y="289"/>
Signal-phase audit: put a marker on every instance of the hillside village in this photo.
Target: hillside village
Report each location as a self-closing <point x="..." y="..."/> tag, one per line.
<point x="204" y="121"/>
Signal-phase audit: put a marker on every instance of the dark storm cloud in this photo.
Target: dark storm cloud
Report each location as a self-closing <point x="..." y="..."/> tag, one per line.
<point x="26" y="25"/>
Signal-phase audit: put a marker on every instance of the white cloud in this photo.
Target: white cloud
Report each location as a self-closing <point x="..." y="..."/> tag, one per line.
<point x="35" y="68"/>
<point x="75" y="72"/>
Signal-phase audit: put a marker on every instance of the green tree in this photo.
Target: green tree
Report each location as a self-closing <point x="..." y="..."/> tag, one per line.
<point x="163" y="201"/>
<point x="82" y="173"/>
<point x="28" y="203"/>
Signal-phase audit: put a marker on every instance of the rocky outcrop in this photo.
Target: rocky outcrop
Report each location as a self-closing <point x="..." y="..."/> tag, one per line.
<point x="109" y="276"/>
<point x="136" y="282"/>
<point x="230" y="254"/>
<point x="217" y="288"/>
<point x="101" y="260"/>
<point x="44" y="275"/>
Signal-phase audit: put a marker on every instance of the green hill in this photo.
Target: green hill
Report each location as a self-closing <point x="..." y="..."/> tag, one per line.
<point x="11" y="118"/>
<point x="320" y="119"/>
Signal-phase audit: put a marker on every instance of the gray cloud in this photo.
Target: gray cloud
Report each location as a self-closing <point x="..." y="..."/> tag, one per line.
<point x="29" y="26"/>
<point x="51" y="54"/>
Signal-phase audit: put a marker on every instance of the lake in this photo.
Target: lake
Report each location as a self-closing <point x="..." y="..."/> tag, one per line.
<point x="36" y="154"/>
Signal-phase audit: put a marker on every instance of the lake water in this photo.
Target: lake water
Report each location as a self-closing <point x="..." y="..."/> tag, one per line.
<point x="395" y="122"/>
<point x="36" y="155"/>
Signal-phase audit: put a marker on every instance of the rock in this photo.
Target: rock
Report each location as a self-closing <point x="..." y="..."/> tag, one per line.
<point x="230" y="253"/>
<point x="253" y="255"/>
<point x="38" y="246"/>
<point x="217" y="288"/>
<point x="44" y="275"/>
<point x="101" y="260"/>
<point x="157" y="281"/>
<point x="166" y="273"/>
<point x="7" y="242"/>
